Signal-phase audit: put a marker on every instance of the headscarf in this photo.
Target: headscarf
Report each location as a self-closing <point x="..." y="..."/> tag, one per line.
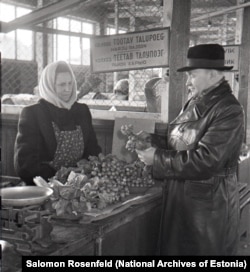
<point x="47" y="85"/>
<point x="122" y="87"/>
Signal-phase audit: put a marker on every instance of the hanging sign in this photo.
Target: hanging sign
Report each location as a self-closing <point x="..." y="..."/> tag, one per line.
<point x="232" y="56"/>
<point x="130" y="51"/>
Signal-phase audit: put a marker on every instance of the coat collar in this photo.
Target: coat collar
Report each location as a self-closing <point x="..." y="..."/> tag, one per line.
<point x="193" y="110"/>
<point x="212" y="97"/>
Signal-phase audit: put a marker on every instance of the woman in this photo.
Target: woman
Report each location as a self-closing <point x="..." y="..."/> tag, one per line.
<point x="56" y="131"/>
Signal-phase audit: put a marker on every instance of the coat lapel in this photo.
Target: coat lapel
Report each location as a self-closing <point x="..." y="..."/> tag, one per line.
<point x="193" y="111"/>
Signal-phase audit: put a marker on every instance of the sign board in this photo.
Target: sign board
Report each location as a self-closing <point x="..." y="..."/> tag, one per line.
<point x="232" y="56"/>
<point x="130" y="51"/>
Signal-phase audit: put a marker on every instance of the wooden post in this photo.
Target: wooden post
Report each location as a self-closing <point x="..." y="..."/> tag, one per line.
<point x="44" y="45"/>
<point x="239" y="24"/>
<point x="39" y="56"/>
<point x="244" y="70"/>
<point x="179" y="43"/>
<point x="115" y="76"/>
<point x="132" y="27"/>
<point x="224" y="30"/>
<point x="237" y="40"/>
<point x="167" y="20"/>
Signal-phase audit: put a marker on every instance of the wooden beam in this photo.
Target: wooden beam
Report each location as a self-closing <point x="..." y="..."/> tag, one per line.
<point x="167" y="12"/>
<point x="215" y="37"/>
<point x="40" y="15"/>
<point x="244" y="71"/>
<point x="220" y="12"/>
<point x="214" y="29"/>
<point x="48" y="30"/>
<point x="167" y="21"/>
<point x="148" y="12"/>
<point x="239" y="24"/>
<point x="179" y="43"/>
<point x="46" y="13"/>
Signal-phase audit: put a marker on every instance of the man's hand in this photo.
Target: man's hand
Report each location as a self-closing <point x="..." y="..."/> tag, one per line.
<point x="143" y="135"/>
<point x="147" y="155"/>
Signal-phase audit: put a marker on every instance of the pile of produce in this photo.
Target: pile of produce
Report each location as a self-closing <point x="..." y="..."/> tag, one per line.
<point x="96" y="183"/>
<point x="77" y="196"/>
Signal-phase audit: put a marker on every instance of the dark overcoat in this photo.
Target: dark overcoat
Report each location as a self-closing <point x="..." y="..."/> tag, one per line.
<point x="200" y="198"/>
<point x="36" y="144"/>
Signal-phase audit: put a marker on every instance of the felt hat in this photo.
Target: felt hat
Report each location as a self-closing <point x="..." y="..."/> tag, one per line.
<point x="205" y="56"/>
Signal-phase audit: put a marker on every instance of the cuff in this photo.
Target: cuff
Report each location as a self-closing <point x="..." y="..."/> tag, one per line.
<point x="162" y="166"/>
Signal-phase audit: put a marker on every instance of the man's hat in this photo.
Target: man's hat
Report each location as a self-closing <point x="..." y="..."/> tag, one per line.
<point x="205" y="56"/>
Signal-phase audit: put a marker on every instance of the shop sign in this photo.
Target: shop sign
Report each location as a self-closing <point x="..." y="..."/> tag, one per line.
<point x="232" y="56"/>
<point x="130" y="51"/>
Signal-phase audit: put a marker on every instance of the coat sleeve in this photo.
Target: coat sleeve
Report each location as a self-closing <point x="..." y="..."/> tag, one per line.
<point x="159" y="141"/>
<point x="220" y="143"/>
<point x="27" y="150"/>
<point x="92" y="147"/>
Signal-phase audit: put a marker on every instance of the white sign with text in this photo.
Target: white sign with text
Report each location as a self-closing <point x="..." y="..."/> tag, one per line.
<point x="130" y="51"/>
<point x="232" y="56"/>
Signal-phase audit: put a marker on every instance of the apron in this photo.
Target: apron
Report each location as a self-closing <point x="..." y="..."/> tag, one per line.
<point x="70" y="147"/>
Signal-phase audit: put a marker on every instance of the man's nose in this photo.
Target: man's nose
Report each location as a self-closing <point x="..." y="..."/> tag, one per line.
<point x="188" y="82"/>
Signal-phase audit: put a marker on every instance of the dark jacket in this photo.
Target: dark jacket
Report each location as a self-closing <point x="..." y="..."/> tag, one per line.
<point x="200" y="200"/>
<point x="35" y="144"/>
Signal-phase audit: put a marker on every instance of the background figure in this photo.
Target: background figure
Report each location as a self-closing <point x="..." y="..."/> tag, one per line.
<point x="153" y="94"/>
<point x="100" y="96"/>
<point x="91" y="84"/>
<point x="121" y="90"/>
<point x="56" y="131"/>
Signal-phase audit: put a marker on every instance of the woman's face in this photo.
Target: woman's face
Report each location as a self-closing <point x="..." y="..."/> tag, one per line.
<point x="64" y="86"/>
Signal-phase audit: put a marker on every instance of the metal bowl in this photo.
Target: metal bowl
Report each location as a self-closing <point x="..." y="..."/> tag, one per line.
<point x="24" y="195"/>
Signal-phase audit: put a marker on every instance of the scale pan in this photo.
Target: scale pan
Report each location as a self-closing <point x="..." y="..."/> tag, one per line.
<point x="24" y="195"/>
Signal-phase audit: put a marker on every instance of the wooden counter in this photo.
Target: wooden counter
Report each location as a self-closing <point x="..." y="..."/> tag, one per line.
<point x="130" y="232"/>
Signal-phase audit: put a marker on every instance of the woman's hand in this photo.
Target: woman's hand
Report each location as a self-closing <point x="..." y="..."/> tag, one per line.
<point x="147" y="155"/>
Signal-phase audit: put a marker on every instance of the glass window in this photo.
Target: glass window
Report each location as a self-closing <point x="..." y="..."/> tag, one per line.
<point x="17" y="44"/>
<point x="7" y="40"/>
<point x="63" y="23"/>
<point x="24" y="44"/>
<point x="87" y="28"/>
<point x="22" y="11"/>
<point x="75" y="26"/>
<point x="55" y="47"/>
<point x="85" y="51"/>
<point x="7" y="45"/>
<point x="112" y="31"/>
<point x="63" y="47"/>
<point x="7" y="12"/>
<point x="75" y="50"/>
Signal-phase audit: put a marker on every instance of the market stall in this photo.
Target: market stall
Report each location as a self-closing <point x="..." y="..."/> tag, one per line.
<point x="128" y="225"/>
<point x="131" y="227"/>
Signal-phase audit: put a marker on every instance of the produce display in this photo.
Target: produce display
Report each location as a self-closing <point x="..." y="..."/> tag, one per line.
<point x="96" y="183"/>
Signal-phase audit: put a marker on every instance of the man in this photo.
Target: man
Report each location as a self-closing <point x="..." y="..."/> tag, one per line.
<point x="200" y="214"/>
